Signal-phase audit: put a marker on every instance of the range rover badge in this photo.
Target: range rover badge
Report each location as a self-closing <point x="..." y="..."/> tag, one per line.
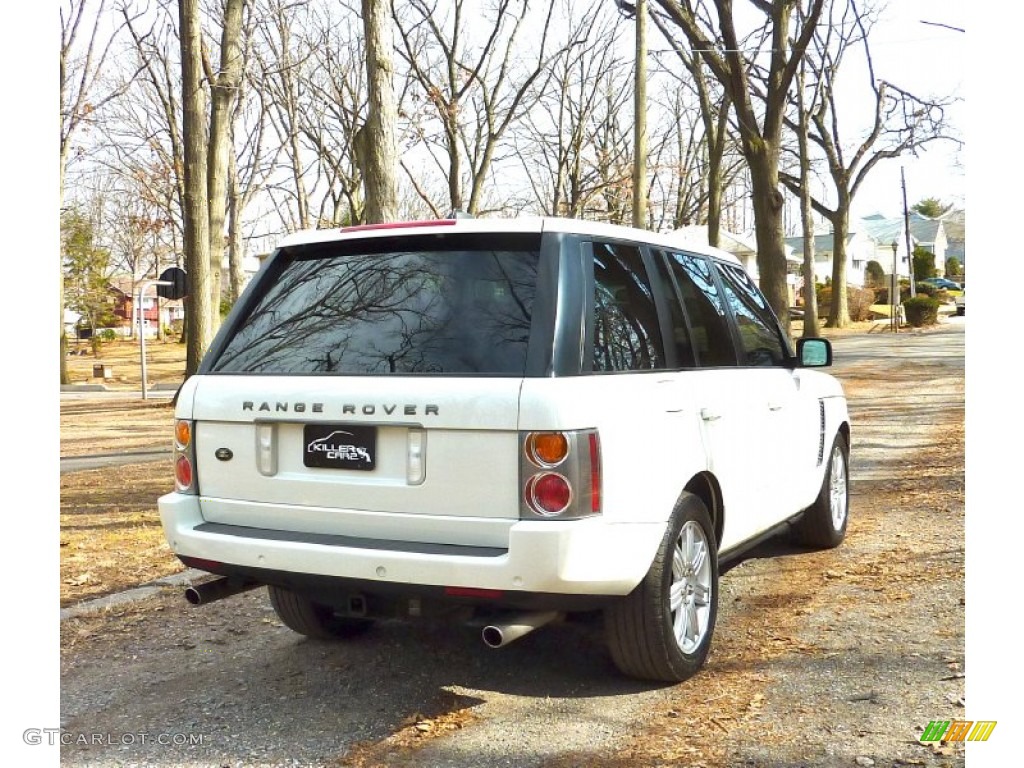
<point x="224" y="454"/>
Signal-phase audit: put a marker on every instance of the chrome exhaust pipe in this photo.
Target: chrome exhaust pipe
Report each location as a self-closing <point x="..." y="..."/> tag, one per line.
<point x="218" y="589"/>
<point x="499" y="635"/>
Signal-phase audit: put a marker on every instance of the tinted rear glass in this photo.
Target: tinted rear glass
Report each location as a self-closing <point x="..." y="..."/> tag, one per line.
<point x="456" y="304"/>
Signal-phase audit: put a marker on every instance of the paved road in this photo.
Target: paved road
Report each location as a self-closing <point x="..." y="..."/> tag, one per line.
<point x="905" y="344"/>
<point x="77" y="463"/>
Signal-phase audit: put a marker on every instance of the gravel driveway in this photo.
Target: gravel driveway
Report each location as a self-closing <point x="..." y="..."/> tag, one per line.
<point x="820" y="659"/>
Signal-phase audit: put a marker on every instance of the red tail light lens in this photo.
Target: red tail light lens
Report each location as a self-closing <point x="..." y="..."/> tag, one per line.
<point x="183" y="473"/>
<point x="595" y="473"/>
<point x="548" y="494"/>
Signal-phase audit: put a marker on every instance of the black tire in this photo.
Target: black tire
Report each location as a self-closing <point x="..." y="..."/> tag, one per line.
<point x="641" y="627"/>
<point x="823" y="524"/>
<point x="315" y="620"/>
<point x="960" y="311"/>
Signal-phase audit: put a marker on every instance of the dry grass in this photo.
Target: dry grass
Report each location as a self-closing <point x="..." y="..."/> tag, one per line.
<point x="111" y="537"/>
<point x="165" y="363"/>
<point x="110" y="534"/>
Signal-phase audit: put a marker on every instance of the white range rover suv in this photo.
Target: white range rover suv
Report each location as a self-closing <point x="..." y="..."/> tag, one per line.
<point x="507" y="422"/>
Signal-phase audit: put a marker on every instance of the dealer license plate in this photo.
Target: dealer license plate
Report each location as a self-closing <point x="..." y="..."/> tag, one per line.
<point x="340" y="446"/>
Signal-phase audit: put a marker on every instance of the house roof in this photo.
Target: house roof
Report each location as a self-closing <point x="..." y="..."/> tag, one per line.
<point x="736" y="244"/>
<point x="823" y="243"/>
<point x="881" y="229"/>
<point x="955" y="223"/>
<point x="923" y="229"/>
<point x="128" y="287"/>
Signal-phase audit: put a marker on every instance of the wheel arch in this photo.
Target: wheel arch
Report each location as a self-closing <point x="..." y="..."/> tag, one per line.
<point x="705" y="486"/>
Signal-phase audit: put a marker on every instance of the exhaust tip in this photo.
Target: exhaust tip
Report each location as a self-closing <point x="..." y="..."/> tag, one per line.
<point x="493" y="637"/>
<point x="193" y="596"/>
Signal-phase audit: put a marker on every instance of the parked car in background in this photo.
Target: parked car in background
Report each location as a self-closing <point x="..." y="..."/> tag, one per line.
<point x="942" y="282"/>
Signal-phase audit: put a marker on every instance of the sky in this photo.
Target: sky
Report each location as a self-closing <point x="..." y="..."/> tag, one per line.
<point x="980" y="64"/>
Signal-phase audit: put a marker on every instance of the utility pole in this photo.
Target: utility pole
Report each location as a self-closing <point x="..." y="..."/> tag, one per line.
<point x="906" y="233"/>
<point x="640" y="120"/>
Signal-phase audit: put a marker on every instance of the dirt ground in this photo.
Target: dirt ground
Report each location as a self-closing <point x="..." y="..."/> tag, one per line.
<point x="820" y="659"/>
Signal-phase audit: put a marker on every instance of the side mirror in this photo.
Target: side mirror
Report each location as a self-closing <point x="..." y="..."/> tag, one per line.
<point x="814" y="353"/>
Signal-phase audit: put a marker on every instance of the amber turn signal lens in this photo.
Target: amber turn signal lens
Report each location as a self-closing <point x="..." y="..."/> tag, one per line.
<point x="547" y="448"/>
<point x="183" y="433"/>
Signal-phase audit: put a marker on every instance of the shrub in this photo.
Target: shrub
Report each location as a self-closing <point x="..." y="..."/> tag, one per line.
<point x="926" y="289"/>
<point x="922" y="310"/>
<point x="874" y="274"/>
<point x="108" y="334"/>
<point x="858" y="301"/>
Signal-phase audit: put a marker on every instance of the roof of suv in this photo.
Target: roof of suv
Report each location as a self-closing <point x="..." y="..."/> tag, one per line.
<point x="525" y="224"/>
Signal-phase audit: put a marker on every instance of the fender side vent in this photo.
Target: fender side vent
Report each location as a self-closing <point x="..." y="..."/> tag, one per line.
<point x="821" y="431"/>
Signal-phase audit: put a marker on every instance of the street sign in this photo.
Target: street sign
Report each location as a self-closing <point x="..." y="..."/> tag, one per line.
<point x="176" y="285"/>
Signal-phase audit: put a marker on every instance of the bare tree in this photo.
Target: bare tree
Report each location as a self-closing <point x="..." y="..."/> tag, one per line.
<point x="278" y="63"/>
<point x="199" y="304"/>
<point x="475" y="92"/>
<point x="714" y="112"/>
<point x="901" y="123"/>
<point x="810" y="324"/>
<point x="205" y="157"/>
<point x="640" y="118"/>
<point x="759" y="104"/>
<point x="556" y="142"/>
<point x="225" y="84"/>
<point x="375" y="142"/>
<point x="83" y="55"/>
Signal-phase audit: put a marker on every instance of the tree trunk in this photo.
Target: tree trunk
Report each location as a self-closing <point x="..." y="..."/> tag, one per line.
<point x="223" y="91"/>
<point x="65" y="377"/>
<point x="196" y="211"/>
<point x="771" y="252"/>
<point x="376" y="150"/>
<point x="640" y="119"/>
<point x="839" y="315"/>
<point x="811" y="328"/>
<point x="236" y="250"/>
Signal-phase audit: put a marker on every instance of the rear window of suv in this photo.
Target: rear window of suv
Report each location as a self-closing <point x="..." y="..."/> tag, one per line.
<point x="437" y="304"/>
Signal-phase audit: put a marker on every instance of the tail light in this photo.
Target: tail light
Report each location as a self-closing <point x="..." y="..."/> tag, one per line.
<point x="184" y="457"/>
<point x="560" y="474"/>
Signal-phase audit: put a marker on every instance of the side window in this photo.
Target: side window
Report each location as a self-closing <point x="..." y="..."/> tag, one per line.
<point x="680" y="340"/>
<point x="760" y="337"/>
<point x="627" y="336"/>
<point x="705" y="309"/>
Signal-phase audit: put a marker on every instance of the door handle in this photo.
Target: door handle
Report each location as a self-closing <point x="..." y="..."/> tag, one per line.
<point x="774" y="406"/>
<point x="709" y="415"/>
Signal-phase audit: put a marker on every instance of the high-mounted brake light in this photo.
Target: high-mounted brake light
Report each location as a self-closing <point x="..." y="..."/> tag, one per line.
<point x="399" y="225"/>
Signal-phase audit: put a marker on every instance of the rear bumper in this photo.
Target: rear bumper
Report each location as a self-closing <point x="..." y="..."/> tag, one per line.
<point x="579" y="557"/>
